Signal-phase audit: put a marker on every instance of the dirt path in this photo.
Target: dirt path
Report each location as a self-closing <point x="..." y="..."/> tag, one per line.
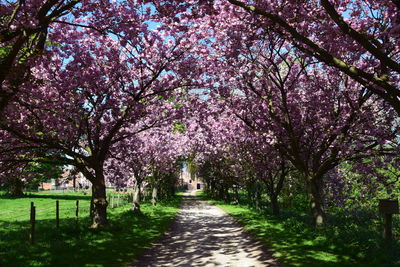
<point x="204" y="235"/>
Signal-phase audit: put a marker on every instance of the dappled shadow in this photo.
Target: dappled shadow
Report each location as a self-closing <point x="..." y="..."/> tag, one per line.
<point x="300" y="249"/>
<point x="299" y="244"/>
<point x="74" y="244"/>
<point x="203" y="235"/>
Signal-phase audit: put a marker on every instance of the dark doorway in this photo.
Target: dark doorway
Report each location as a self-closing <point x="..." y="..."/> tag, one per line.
<point x="198" y="186"/>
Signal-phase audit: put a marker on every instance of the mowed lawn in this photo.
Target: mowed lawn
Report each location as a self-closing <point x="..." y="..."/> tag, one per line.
<point x="18" y="209"/>
<point x="74" y="244"/>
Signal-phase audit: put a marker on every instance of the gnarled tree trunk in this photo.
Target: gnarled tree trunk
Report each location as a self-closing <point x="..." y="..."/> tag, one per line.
<point x="316" y="201"/>
<point x="99" y="201"/>
<point x="275" y="204"/>
<point x="15" y="186"/>
<point x="257" y="198"/>
<point x="235" y="195"/>
<point x="136" y="198"/>
<point x="154" y="196"/>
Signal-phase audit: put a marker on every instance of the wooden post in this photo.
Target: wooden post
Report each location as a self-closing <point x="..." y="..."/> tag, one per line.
<point x="32" y="220"/>
<point x="77" y="210"/>
<point x="118" y="200"/>
<point x="57" y="214"/>
<point x="388" y="207"/>
<point x="388" y="230"/>
<point x="112" y="201"/>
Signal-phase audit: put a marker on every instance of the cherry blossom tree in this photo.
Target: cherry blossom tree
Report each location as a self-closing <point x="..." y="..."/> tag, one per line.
<point x="358" y="38"/>
<point x="146" y="159"/>
<point x="249" y="89"/>
<point x="318" y="117"/>
<point x="232" y="155"/>
<point x="26" y="26"/>
<point x="94" y="91"/>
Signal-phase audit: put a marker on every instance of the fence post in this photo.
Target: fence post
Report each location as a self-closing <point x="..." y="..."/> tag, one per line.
<point x="33" y="218"/>
<point x="77" y="210"/>
<point x="388" y="207"/>
<point x="57" y="214"/>
<point x="388" y="230"/>
<point x="118" y="200"/>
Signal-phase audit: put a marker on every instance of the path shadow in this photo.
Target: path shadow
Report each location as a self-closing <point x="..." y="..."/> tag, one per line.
<point x="203" y="235"/>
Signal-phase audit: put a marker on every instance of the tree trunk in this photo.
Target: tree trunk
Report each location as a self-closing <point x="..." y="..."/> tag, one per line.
<point x="99" y="202"/>
<point x="257" y="198"/>
<point x="274" y="204"/>
<point x="227" y="195"/>
<point x="235" y="195"/>
<point x="290" y="198"/>
<point x="221" y="192"/>
<point x="154" y="196"/>
<point x="15" y="187"/>
<point x="136" y="198"/>
<point x="144" y="195"/>
<point x="317" y="212"/>
<point x="250" y="193"/>
<point x="74" y="182"/>
<point x="212" y="189"/>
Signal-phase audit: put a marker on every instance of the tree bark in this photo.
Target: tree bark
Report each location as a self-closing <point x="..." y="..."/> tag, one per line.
<point x="99" y="202"/>
<point x="211" y="188"/>
<point x="227" y="196"/>
<point x="275" y="204"/>
<point x="290" y="198"/>
<point x="257" y="198"/>
<point x="154" y="196"/>
<point x="235" y="195"/>
<point x="317" y="211"/>
<point x="15" y="187"/>
<point x="136" y="198"/>
<point x="250" y="195"/>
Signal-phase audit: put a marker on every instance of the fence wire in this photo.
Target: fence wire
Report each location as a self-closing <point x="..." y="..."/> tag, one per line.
<point x="67" y="209"/>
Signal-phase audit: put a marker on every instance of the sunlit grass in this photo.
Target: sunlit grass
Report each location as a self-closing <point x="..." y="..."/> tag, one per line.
<point x="18" y="209"/>
<point x="296" y="243"/>
<point x="74" y="244"/>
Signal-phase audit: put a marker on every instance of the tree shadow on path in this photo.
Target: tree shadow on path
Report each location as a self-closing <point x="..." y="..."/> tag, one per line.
<point x="203" y="235"/>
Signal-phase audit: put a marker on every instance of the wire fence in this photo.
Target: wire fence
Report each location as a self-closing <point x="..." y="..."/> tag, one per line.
<point x="58" y="210"/>
<point x="117" y="200"/>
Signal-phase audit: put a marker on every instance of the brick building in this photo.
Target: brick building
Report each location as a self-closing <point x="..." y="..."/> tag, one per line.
<point x="67" y="180"/>
<point x="190" y="182"/>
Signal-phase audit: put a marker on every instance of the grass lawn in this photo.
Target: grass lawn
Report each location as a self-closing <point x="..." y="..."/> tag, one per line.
<point x="350" y="242"/>
<point x="18" y="209"/>
<point x="74" y="244"/>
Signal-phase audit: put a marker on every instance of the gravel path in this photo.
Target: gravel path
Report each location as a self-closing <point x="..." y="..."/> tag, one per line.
<point x="204" y="235"/>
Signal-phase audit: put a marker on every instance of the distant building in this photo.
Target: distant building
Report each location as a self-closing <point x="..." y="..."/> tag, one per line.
<point x="67" y="180"/>
<point x="190" y="182"/>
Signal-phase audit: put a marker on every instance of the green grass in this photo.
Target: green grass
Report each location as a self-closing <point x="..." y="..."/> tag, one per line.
<point x="18" y="209"/>
<point x="346" y="241"/>
<point x="74" y="244"/>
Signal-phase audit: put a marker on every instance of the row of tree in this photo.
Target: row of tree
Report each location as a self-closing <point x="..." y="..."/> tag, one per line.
<point x="122" y="89"/>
